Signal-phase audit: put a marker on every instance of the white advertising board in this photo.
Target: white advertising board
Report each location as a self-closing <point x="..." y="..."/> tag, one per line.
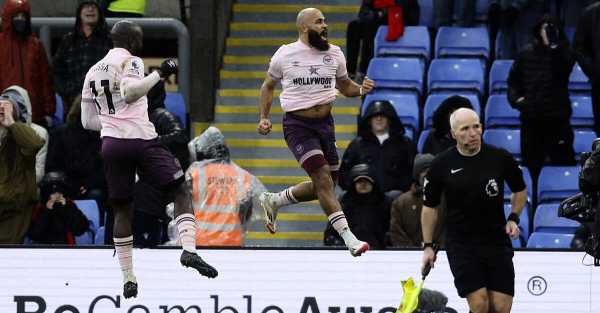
<point x="270" y="281"/>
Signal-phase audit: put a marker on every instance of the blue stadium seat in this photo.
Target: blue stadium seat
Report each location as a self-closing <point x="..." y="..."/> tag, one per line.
<point x="175" y="104"/>
<point x="434" y="101"/>
<point x="498" y="52"/>
<point x="91" y="211"/>
<point x="583" y="115"/>
<point x="462" y="42"/>
<point x="583" y="141"/>
<point x="397" y="74"/>
<point x="499" y="113"/>
<point x="481" y="10"/>
<point x="86" y="238"/>
<point x="455" y="75"/>
<point x="528" y="184"/>
<point x="59" y="113"/>
<point x="546" y="220"/>
<point x="414" y="43"/>
<point x="509" y="139"/>
<point x="557" y="183"/>
<point x="426" y="15"/>
<point x="406" y="106"/>
<point x="499" y="76"/>
<point x="523" y="223"/>
<point x="550" y="241"/>
<point x="579" y="84"/>
<point x="570" y="32"/>
<point x="422" y="138"/>
<point x="99" y="240"/>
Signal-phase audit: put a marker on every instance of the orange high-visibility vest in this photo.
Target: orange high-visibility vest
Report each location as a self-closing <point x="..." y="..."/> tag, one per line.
<point x="216" y="190"/>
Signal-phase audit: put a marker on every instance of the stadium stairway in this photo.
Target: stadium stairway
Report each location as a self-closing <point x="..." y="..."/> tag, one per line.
<point x="258" y="28"/>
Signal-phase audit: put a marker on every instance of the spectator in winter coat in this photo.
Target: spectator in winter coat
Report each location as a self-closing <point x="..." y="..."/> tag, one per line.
<point x="75" y="151"/>
<point x="405" y="223"/>
<point x="538" y="87"/>
<point x="381" y="144"/>
<point x="366" y="208"/>
<point x="19" y="144"/>
<point x="56" y="219"/>
<point x="79" y="49"/>
<point x="587" y="51"/>
<point x="24" y="62"/>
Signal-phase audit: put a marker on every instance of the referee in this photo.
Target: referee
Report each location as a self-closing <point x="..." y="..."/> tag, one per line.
<point x="479" y="250"/>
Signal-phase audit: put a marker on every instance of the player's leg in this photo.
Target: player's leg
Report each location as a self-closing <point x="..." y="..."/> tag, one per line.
<point x="186" y="226"/>
<point x="500" y="302"/>
<point x="119" y="168"/>
<point x="478" y="301"/>
<point x="160" y="168"/>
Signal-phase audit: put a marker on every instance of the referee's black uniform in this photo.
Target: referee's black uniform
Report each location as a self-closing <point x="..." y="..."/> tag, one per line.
<point x="479" y="250"/>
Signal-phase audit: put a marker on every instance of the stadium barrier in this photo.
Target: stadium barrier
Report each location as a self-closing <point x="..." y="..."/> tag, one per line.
<point x="39" y="280"/>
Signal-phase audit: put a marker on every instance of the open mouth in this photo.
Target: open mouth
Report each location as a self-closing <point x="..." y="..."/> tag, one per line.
<point x="323" y="35"/>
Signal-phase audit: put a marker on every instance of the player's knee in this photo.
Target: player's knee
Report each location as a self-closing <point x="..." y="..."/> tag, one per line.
<point x="175" y="188"/>
<point x="321" y="177"/>
<point x="479" y="303"/>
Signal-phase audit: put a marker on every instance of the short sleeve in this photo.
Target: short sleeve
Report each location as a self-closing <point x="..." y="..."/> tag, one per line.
<point x="133" y="68"/>
<point x="512" y="173"/>
<point x="341" y="70"/>
<point x="433" y="185"/>
<point x="275" y="69"/>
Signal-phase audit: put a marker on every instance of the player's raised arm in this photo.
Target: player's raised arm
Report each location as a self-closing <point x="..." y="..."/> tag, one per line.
<point x="266" y="99"/>
<point x="351" y="89"/>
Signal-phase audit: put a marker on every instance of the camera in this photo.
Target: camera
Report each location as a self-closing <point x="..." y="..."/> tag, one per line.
<point x="583" y="207"/>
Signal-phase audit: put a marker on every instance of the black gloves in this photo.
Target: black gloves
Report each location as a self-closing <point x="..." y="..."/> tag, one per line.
<point x="167" y="68"/>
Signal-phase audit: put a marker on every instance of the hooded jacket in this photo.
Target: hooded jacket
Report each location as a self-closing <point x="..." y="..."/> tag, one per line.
<point x="541" y="75"/>
<point x="392" y="160"/>
<point x="77" y="53"/>
<point x="368" y="214"/>
<point x="41" y="156"/>
<point x="18" y="190"/>
<point x="439" y="138"/>
<point x="76" y="152"/>
<point x="587" y="42"/>
<point x="168" y="127"/>
<point x="23" y="62"/>
<point x="223" y="194"/>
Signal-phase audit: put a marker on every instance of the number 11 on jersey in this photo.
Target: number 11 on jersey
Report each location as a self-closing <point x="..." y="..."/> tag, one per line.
<point x="105" y="84"/>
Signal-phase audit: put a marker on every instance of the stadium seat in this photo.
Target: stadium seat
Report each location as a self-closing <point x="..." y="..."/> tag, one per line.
<point x="434" y="101"/>
<point x="557" y="183"/>
<point x="499" y="76"/>
<point x="86" y="238"/>
<point x="99" y="240"/>
<point x="462" y="42"/>
<point x="570" y="32"/>
<point x="523" y="223"/>
<point x="583" y="141"/>
<point x="579" y="84"/>
<point x="426" y="15"/>
<point x="583" y="116"/>
<point x="546" y="220"/>
<point x="406" y="106"/>
<point x="91" y="211"/>
<point x="528" y="184"/>
<point x="550" y="241"/>
<point x="175" y="104"/>
<point x="59" y="113"/>
<point x="499" y="113"/>
<point x="509" y="139"/>
<point x="456" y="76"/>
<point x="397" y="74"/>
<point x="422" y="137"/>
<point x="414" y="43"/>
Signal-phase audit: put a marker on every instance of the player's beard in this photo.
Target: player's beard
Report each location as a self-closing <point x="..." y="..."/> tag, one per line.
<point x="315" y="40"/>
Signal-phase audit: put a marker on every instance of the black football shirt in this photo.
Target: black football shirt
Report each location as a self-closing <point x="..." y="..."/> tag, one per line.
<point x="474" y="191"/>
